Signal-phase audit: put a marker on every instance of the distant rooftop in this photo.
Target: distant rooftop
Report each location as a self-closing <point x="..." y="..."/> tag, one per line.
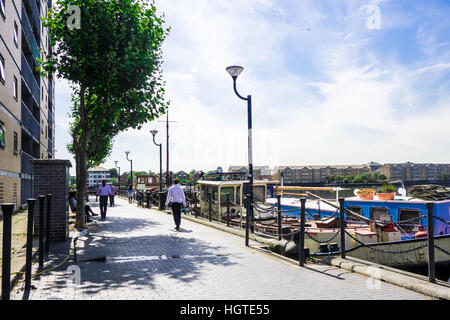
<point x="98" y="168"/>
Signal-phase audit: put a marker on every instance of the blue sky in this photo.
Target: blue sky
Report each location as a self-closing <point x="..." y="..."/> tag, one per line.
<point x="332" y="82"/>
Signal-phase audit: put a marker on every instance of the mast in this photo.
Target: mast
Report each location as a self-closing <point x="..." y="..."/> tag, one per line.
<point x="167" y="150"/>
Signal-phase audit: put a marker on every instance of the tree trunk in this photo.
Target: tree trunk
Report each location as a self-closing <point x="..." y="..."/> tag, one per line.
<point x="81" y="172"/>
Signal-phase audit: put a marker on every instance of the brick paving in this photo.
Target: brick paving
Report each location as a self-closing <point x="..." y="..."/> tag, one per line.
<point x="148" y="259"/>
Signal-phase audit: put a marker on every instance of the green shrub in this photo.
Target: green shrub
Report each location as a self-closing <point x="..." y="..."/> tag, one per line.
<point x="387" y="188"/>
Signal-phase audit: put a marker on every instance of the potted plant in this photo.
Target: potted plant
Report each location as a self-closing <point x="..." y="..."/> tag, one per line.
<point x="365" y="194"/>
<point x="387" y="192"/>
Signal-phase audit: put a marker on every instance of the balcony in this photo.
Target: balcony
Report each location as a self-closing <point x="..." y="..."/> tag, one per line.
<point x="30" y="80"/>
<point x="28" y="31"/>
<point x="29" y="122"/>
<point x="34" y="11"/>
<point x="27" y="166"/>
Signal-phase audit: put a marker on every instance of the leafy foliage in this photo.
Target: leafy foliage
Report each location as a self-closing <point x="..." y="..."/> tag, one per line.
<point x="114" y="65"/>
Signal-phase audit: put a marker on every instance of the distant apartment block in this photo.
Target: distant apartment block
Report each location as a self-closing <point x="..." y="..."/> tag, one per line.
<point x="27" y="109"/>
<point x="96" y="175"/>
<point x="411" y="171"/>
<point x="317" y="174"/>
<point x="259" y="172"/>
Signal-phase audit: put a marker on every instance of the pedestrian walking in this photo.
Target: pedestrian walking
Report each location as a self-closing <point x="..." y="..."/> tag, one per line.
<point x="130" y="194"/>
<point x="103" y="192"/>
<point x="177" y="198"/>
<point x="112" y="195"/>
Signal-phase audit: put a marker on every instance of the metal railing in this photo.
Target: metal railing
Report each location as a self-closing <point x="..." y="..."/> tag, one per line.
<point x="29" y="79"/>
<point x="30" y="122"/>
<point x="26" y="165"/>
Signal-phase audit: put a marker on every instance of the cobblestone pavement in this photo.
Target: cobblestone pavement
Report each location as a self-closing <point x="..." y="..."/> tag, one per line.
<point x="148" y="259"/>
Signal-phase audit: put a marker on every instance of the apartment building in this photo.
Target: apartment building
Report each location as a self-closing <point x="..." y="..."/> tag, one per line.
<point x="26" y="98"/>
<point x="410" y="171"/>
<point x="259" y="172"/>
<point x="317" y="174"/>
<point x="96" y="175"/>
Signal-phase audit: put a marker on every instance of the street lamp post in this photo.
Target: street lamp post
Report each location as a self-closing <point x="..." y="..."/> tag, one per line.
<point x="234" y="72"/>
<point x="115" y="162"/>
<point x="131" y="163"/>
<point x="154" y="132"/>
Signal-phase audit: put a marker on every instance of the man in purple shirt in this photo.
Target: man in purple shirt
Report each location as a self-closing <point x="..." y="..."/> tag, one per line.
<point x="103" y="192"/>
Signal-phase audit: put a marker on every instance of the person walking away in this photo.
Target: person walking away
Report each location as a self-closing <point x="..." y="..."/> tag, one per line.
<point x="103" y="192"/>
<point x="177" y="198"/>
<point x="111" y="196"/>
<point x="130" y="194"/>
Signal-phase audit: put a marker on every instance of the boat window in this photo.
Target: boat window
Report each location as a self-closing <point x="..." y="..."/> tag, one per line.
<point x="259" y="193"/>
<point x="238" y="195"/>
<point x="204" y="191"/>
<point x="213" y="190"/>
<point x="355" y="209"/>
<point x="412" y="217"/>
<point x="375" y="213"/>
<point x="224" y="192"/>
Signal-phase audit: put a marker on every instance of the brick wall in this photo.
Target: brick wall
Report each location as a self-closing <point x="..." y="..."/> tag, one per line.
<point x="52" y="177"/>
<point x="10" y="190"/>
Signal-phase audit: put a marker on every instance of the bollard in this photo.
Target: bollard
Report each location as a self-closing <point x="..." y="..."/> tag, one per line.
<point x="301" y="236"/>
<point x="161" y="202"/>
<point x="7" y="209"/>
<point x="431" y="265"/>
<point x="279" y="215"/>
<point x="228" y="209"/>
<point x="29" y="255"/>
<point x="148" y="200"/>
<point x="210" y="204"/>
<point x="247" y="219"/>
<point x="47" y="231"/>
<point x="41" y="231"/>
<point x="342" y="225"/>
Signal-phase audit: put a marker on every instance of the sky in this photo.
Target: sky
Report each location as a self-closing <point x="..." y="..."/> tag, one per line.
<point x="332" y="82"/>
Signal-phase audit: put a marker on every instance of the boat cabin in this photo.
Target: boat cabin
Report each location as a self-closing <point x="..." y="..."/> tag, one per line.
<point x="218" y="190"/>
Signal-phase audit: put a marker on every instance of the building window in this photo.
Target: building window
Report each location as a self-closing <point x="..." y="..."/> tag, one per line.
<point x="15" y="92"/>
<point x="16" y="34"/>
<point x="2" y="8"/>
<point x="2" y="135"/>
<point x="2" y="68"/>
<point x="16" y="143"/>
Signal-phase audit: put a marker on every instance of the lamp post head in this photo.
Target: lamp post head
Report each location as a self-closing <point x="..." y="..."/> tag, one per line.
<point x="115" y="162"/>
<point x="154" y="132"/>
<point x="127" y="153"/>
<point x="234" y="71"/>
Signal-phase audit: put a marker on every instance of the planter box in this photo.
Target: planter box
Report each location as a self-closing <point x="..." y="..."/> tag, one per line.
<point x="386" y="196"/>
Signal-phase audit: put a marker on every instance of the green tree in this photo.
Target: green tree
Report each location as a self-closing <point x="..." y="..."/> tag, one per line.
<point x="113" y="62"/>
<point x="113" y="172"/>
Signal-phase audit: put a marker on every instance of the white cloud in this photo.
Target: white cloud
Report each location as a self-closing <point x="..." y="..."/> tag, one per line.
<point x="322" y="93"/>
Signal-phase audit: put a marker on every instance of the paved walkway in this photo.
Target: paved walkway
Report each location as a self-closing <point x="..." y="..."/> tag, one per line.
<point x="148" y="259"/>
